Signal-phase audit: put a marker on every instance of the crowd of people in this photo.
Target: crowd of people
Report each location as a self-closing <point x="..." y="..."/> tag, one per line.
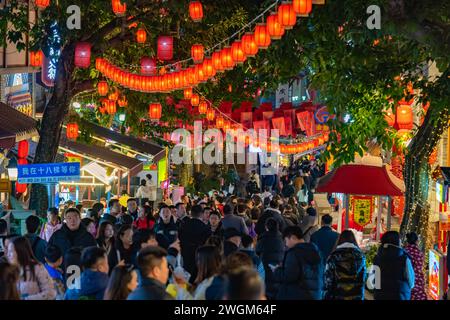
<point x="268" y="245"/>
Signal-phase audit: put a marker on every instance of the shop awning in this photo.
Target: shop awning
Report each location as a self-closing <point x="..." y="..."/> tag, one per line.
<point x="15" y="126"/>
<point x="143" y="146"/>
<point x="102" y="155"/>
<point x="361" y="179"/>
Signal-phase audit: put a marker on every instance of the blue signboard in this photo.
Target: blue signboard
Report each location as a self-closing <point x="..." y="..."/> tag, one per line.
<point x="48" y="172"/>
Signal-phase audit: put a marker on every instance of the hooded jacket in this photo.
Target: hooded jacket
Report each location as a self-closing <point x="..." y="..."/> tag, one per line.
<point x="345" y="273"/>
<point x="92" y="286"/>
<point x="269" y="213"/>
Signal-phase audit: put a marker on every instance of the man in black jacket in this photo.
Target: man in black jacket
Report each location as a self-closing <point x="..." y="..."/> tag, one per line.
<point x="272" y="212"/>
<point x="152" y="263"/>
<point x="301" y="274"/>
<point x="193" y="233"/>
<point x="72" y="233"/>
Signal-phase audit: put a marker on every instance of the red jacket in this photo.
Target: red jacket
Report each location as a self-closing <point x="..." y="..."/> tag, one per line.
<point x="144" y="223"/>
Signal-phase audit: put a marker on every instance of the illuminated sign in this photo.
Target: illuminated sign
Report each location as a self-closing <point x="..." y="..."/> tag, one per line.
<point x="436" y="279"/>
<point x="50" y="61"/>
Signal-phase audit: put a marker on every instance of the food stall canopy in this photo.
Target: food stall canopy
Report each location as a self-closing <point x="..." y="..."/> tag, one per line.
<point x="15" y="126"/>
<point x="362" y="178"/>
<point x="140" y="145"/>
<point x="102" y="155"/>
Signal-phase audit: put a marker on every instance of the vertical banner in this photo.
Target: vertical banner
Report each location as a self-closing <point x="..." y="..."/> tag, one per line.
<point x="362" y="208"/>
<point x="279" y="124"/>
<point x="247" y="119"/>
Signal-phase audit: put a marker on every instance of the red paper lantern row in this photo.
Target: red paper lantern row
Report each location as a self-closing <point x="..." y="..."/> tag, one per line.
<point x="195" y="100"/>
<point x="187" y="93"/>
<point x="72" y="131"/>
<point x="210" y="114"/>
<point x="42" y="4"/>
<point x="274" y="27"/>
<point x="119" y="9"/>
<point x="196" y="11"/>
<point x="141" y="35"/>
<point x="83" y="54"/>
<point x="36" y="58"/>
<point x="287" y="16"/>
<point x="249" y="46"/>
<point x="237" y="53"/>
<point x="262" y="36"/>
<point x="102" y="88"/>
<point x="155" y="111"/>
<point x="203" y="107"/>
<point x="197" y="53"/>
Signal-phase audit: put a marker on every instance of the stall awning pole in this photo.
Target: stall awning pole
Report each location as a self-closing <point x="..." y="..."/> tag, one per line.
<point x="380" y="210"/>
<point x="340" y="208"/>
<point x="347" y="211"/>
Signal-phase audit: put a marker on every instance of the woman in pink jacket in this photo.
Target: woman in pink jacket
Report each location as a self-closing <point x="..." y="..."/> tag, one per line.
<point x="35" y="282"/>
<point x="53" y="224"/>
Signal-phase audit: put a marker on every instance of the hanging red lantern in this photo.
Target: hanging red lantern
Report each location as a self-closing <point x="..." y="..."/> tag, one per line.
<point x="196" y="11"/>
<point x="302" y="7"/>
<point x="119" y="9"/>
<point x="148" y="66"/>
<point x="36" y="58"/>
<point x="21" y="187"/>
<point x="287" y="15"/>
<point x="249" y="45"/>
<point x="210" y="114"/>
<point x="200" y="73"/>
<point x="208" y="68"/>
<point x="72" y="130"/>
<point x="42" y="4"/>
<point x="226" y="58"/>
<point x="217" y="61"/>
<point x="83" y="54"/>
<point x="165" y="48"/>
<point x="197" y="53"/>
<point x="187" y="93"/>
<point x="141" y="35"/>
<point x="155" y="111"/>
<point x="219" y="122"/>
<point x="237" y="53"/>
<point x="195" y="99"/>
<point x="274" y="27"/>
<point x="405" y="118"/>
<point x="22" y="149"/>
<point x="102" y="88"/>
<point x="262" y="36"/>
<point x="109" y="106"/>
<point x="203" y="107"/>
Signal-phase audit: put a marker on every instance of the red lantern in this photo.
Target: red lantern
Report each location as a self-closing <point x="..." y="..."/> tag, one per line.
<point x="165" y="48"/>
<point x="217" y="61"/>
<point x="148" y="66"/>
<point x="274" y="27"/>
<point x="210" y="114"/>
<point x="226" y="58"/>
<point x="114" y="96"/>
<point x="141" y="35"/>
<point x="200" y="73"/>
<point x="287" y="15"/>
<point x="237" y="53"/>
<point x="203" y="107"/>
<point x="196" y="11"/>
<point x="405" y="117"/>
<point x="302" y="7"/>
<point x="36" y="58"/>
<point x="22" y="149"/>
<point x="195" y="99"/>
<point x="42" y="4"/>
<point x="262" y="36"/>
<point x="21" y="187"/>
<point x="119" y="9"/>
<point x="155" y="111"/>
<point x="197" y="53"/>
<point x="249" y="45"/>
<point x="83" y="54"/>
<point x="72" y="131"/>
<point x="187" y="93"/>
<point x="102" y="88"/>
<point x="219" y="122"/>
<point x="109" y="106"/>
<point x="208" y="68"/>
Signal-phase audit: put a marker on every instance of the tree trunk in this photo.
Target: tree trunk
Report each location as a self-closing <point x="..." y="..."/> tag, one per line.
<point x="50" y="129"/>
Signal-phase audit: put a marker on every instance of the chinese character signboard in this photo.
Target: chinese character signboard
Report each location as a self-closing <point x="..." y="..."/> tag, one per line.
<point x="362" y="209"/>
<point x="49" y="172"/>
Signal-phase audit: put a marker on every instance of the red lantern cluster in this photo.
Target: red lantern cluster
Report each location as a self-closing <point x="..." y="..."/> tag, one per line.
<point x="197" y="53"/>
<point x="83" y="54"/>
<point x="196" y="11"/>
<point x="155" y="111"/>
<point x="72" y="131"/>
<point x="36" y="58"/>
<point x="119" y="9"/>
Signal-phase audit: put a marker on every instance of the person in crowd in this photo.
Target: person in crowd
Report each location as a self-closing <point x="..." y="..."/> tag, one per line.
<point x="105" y="237"/>
<point x="303" y="194"/>
<point x="34" y="282"/>
<point x="132" y="208"/>
<point x="145" y="218"/>
<point x="301" y="274"/>
<point x="289" y="216"/>
<point x="298" y="183"/>
<point x="38" y="245"/>
<point x="245" y="284"/>
<point x="53" y="262"/>
<point x="9" y="279"/>
<point x="181" y="214"/>
<point x="232" y="241"/>
<point x="123" y="281"/>
<point x="153" y="266"/>
<point x="257" y="179"/>
<point x="345" y="272"/>
<point x="89" y="225"/>
<point x="151" y="184"/>
<point x="143" y="193"/>
<point x="266" y="196"/>
<point x="395" y="268"/>
<point x="215" y="223"/>
<point x="272" y="212"/>
<point x="303" y="206"/>
<point x="96" y="212"/>
<point x="125" y="219"/>
<point x="206" y="212"/>
<point x="417" y="259"/>
<point x="248" y="248"/>
<point x="53" y="223"/>
<point x="79" y="207"/>
<point x="288" y="190"/>
<point x="72" y="233"/>
<point x="70" y="259"/>
<point x="193" y="233"/>
<point x="124" y="250"/>
<point x="231" y="220"/>
<point x="309" y="225"/>
<point x="252" y="187"/>
<point x="94" y="278"/>
<point x="114" y="211"/>
<point x="166" y="225"/>
<point x="325" y="238"/>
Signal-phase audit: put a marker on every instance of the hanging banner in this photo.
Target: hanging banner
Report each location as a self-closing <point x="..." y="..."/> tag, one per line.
<point x="279" y="124"/>
<point x="288" y="126"/>
<point x="267" y="115"/>
<point x="306" y="122"/>
<point x="247" y="119"/>
<point x="263" y="124"/>
<point x="362" y="207"/>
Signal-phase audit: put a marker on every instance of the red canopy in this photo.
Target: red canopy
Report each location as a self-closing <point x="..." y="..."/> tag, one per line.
<point x="360" y="179"/>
